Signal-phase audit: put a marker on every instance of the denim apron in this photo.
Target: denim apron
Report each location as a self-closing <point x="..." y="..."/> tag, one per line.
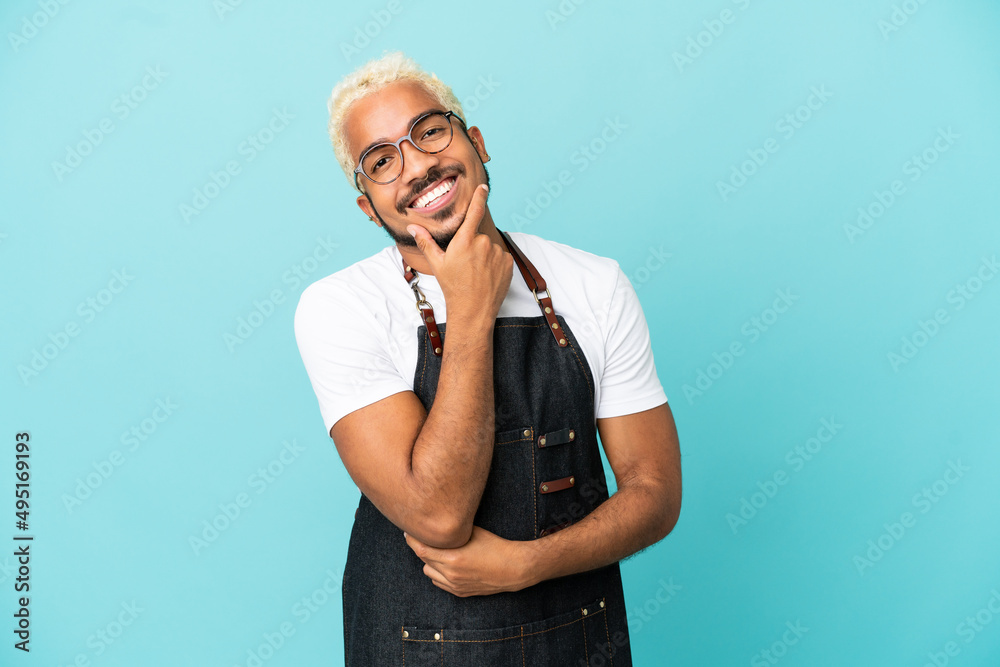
<point x="546" y="474"/>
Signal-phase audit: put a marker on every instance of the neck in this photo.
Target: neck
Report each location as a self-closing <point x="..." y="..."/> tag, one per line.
<point x="419" y="263"/>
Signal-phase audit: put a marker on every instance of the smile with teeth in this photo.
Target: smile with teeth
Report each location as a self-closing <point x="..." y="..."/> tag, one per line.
<point x="430" y="196"/>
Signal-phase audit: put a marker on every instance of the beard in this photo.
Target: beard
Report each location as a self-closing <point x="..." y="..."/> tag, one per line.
<point x="442" y="238"/>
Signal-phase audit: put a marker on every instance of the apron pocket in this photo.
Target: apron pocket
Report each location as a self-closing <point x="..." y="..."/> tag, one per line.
<point x="507" y="506"/>
<point x="569" y="638"/>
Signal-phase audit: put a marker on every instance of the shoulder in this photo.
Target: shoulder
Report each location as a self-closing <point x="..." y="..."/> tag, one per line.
<point x="356" y="288"/>
<point x="566" y="260"/>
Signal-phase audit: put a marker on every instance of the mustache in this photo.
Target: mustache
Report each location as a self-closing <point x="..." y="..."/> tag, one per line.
<point x="433" y="176"/>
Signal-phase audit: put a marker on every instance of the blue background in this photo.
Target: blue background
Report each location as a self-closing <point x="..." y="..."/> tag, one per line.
<point x="749" y="556"/>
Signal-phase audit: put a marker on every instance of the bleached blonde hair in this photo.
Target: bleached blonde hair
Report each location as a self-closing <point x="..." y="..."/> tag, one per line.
<point x="370" y="78"/>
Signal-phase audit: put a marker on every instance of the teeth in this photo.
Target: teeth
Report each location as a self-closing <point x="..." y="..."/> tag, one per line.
<point x="426" y="198"/>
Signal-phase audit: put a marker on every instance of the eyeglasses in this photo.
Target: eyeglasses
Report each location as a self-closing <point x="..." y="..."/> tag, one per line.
<point x="431" y="133"/>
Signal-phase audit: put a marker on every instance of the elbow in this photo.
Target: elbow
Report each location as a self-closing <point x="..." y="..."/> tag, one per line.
<point x="669" y="505"/>
<point x="670" y="513"/>
<point x="669" y="522"/>
<point x="444" y="532"/>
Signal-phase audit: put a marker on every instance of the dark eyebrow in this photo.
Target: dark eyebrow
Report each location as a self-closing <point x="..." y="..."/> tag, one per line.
<point x="386" y="140"/>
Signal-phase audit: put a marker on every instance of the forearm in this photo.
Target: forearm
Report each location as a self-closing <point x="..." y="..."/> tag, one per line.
<point x="451" y="457"/>
<point x="633" y="518"/>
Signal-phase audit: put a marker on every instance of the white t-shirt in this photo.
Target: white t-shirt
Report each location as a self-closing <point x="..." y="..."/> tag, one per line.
<point x="356" y="329"/>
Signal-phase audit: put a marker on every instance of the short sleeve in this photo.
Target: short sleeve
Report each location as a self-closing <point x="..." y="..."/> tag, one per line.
<point x="629" y="383"/>
<point x="349" y="366"/>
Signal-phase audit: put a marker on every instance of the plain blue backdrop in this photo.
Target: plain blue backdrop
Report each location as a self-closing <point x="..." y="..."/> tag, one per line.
<point x="804" y="196"/>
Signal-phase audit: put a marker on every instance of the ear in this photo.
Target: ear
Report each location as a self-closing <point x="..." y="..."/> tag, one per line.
<point x="476" y="137"/>
<point x="366" y="207"/>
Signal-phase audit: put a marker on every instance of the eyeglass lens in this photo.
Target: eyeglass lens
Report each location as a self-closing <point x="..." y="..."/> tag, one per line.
<point x="431" y="134"/>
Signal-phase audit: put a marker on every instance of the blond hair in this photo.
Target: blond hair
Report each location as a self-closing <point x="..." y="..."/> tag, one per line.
<point x="370" y="78"/>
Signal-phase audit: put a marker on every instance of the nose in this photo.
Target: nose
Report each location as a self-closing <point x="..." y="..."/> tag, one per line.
<point x="415" y="162"/>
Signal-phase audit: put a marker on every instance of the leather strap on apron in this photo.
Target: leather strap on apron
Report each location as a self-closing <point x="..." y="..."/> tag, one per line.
<point x="531" y="277"/>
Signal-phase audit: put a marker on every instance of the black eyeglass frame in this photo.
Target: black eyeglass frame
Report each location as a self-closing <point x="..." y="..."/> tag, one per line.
<point x="396" y="144"/>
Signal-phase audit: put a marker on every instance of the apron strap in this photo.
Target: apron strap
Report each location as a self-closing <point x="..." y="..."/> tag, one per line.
<point x="537" y="284"/>
<point x="531" y="276"/>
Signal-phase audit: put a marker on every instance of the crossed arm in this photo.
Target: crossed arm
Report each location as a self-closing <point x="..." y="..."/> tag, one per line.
<point x="644" y="454"/>
<point x="406" y="460"/>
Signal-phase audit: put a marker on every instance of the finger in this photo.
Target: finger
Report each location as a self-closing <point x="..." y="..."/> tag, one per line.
<point x="414" y="543"/>
<point x="443" y="582"/>
<point x="426" y="243"/>
<point x="477" y="208"/>
<point x="437" y="577"/>
<point x="447" y="589"/>
<point x="423" y="551"/>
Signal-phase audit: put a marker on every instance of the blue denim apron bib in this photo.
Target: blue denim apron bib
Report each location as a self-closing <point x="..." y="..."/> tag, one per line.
<point x="546" y="473"/>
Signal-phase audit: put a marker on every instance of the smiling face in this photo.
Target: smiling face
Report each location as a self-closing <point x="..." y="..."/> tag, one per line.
<point x="433" y="190"/>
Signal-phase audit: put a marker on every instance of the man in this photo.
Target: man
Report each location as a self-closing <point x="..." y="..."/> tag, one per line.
<point x="485" y="534"/>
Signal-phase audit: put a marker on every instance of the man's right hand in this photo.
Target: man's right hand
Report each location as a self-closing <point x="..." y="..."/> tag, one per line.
<point x="474" y="272"/>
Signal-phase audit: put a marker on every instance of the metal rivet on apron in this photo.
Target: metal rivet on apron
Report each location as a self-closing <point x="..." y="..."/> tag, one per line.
<point x="547" y="309"/>
<point x="405" y="633"/>
<point x="429" y="319"/>
<point x="527" y="433"/>
<point x="602" y="604"/>
<point x="541" y="441"/>
<point x="545" y="487"/>
<point x="572" y="434"/>
<point x="437" y="350"/>
<point x="408" y="267"/>
<point x="562" y="341"/>
<point x="584" y="612"/>
<point x="572" y="480"/>
<point x="555" y="325"/>
<point x="437" y="635"/>
<point x="434" y="334"/>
